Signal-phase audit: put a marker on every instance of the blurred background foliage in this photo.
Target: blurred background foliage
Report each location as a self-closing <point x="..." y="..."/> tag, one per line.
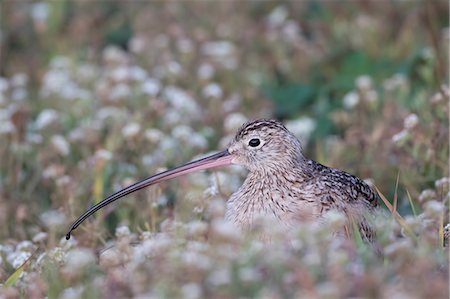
<point x="95" y="95"/>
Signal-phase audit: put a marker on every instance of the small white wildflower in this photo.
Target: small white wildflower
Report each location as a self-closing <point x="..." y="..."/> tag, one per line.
<point x="233" y="122"/>
<point x="350" y="100"/>
<point x="400" y="137"/>
<point x="198" y="141"/>
<point x="60" y="144"/>
<point x="137" y="44"/>
<point x="25" y="245"/>
<point x="4" y="84"/>
<point x="291" y="30"/>
<point x="122" y="231"/>
<point x="103" y="155"/>
<point x="150" y="86"/>
<point x="174" y="67"/>
<point x="220" y="277"/>
<point x="248" y="274"/>
<point x="371" y="96"/>
<point x="433" y="209"/>
<point x="19" y="94"/>
<point x="153" y="135"/>
<point x="131" y="130"/>
<point x="114" y="55"/>
<point x="277" y="16"/>
<point x="205" y="71"/>
<point x="427" y="194"/>
<point x="60" y="62"/>
<point x="411" y="121"/>
<point x="120" y="74"/>
<point x="223" y="229"/>
<point x="185" y="45"/>
<point x="40" y="237"/>
<point x="148" y="160"/>
<point x="302" y="128"/>
<point x="16" y="259"/>
<point x="138" y="74"/>
<point x="120" y="92"/>
<point x="191" y="291"/>
<point x="212" y="90"/>
<point x="53" y="219"/>
<point x="442" y="183"/>
<point x="182" y="133"/>
<point x="46" y="118"/>
<point x="218" y="48"/>
<point x="19" y="80"/>
<point x="73" y="292"/>
<point x="79" y="259"/>
<point x="197" y="228"/>
<point x="335" y="218"/>
<point x="7" y="127"/>
<point x="364" y="83"/>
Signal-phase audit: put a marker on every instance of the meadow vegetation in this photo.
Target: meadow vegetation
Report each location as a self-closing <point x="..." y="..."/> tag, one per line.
<point x="97" y="95"/>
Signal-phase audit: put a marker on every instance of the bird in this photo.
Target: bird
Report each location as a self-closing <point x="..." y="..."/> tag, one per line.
<point x="281" y="182"/>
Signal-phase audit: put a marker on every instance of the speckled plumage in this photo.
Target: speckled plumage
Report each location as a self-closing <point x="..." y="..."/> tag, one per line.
<point x="285" y="185"/>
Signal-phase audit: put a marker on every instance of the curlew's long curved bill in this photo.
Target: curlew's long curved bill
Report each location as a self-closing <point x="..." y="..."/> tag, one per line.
<point x="219" y="159"/>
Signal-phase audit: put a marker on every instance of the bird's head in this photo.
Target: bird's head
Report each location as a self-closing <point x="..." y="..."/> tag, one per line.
<point x="264" y="145"/>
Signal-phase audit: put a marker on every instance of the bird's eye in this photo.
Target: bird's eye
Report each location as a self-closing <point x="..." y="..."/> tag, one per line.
<point x="254" y="142"/>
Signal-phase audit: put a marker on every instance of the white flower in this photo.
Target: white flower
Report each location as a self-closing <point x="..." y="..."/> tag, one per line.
<point x="302" y="128"/>
<point x="60" y="144"/>
<point x="120" y="74"/>
<point x="131" y="130"/>
<point x="137" y="73"/>
<point x="114" y="55"/>
<point x="150" y="86"/>
<point x="364" y="83"/>
<point x="137" y="44"/>
<point x="25" y="245"/>
<point x="185" y="45"/>
<point x="233" y="122"/>
<point x="212" y="90"/>
<point x="60" y="62"/>
<point x="218" y="48"/>
<point x="16" y="259"/>
<point x="19" y="80"/>
<point x="350" y="100"/>
<point x="400" y="137"/>
<point x="46" y="117"/>
<point x="53" y="219"/>
<point x="4" y="84"/>
<point x="120" y="91"/>
<point x="7" y="127"/>
<point x="205" y="71"/>
<point x="191" y="291"/>
<point x="173" y="67"/>
<point x="182" y="133"/>
<point x="103" y="155"/>
<point x="122" y="231"/>
<point x="40" y="11"/>
<point x="153" y="135"/>
<point x="277" y="16"/>
<point x="40" y="237"/>
<point x="442" y="183"/>
<point x="411" y="121"/>
<point x="79" y="259"/>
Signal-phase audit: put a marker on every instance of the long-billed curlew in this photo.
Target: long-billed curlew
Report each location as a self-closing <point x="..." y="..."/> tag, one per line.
<point x="281" y="183"/>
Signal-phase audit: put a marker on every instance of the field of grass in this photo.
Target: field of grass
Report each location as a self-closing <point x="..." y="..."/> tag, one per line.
<point x="95" y="95"/>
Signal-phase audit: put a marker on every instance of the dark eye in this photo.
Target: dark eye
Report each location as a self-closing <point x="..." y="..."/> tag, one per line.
<point x="254" y="142"/>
